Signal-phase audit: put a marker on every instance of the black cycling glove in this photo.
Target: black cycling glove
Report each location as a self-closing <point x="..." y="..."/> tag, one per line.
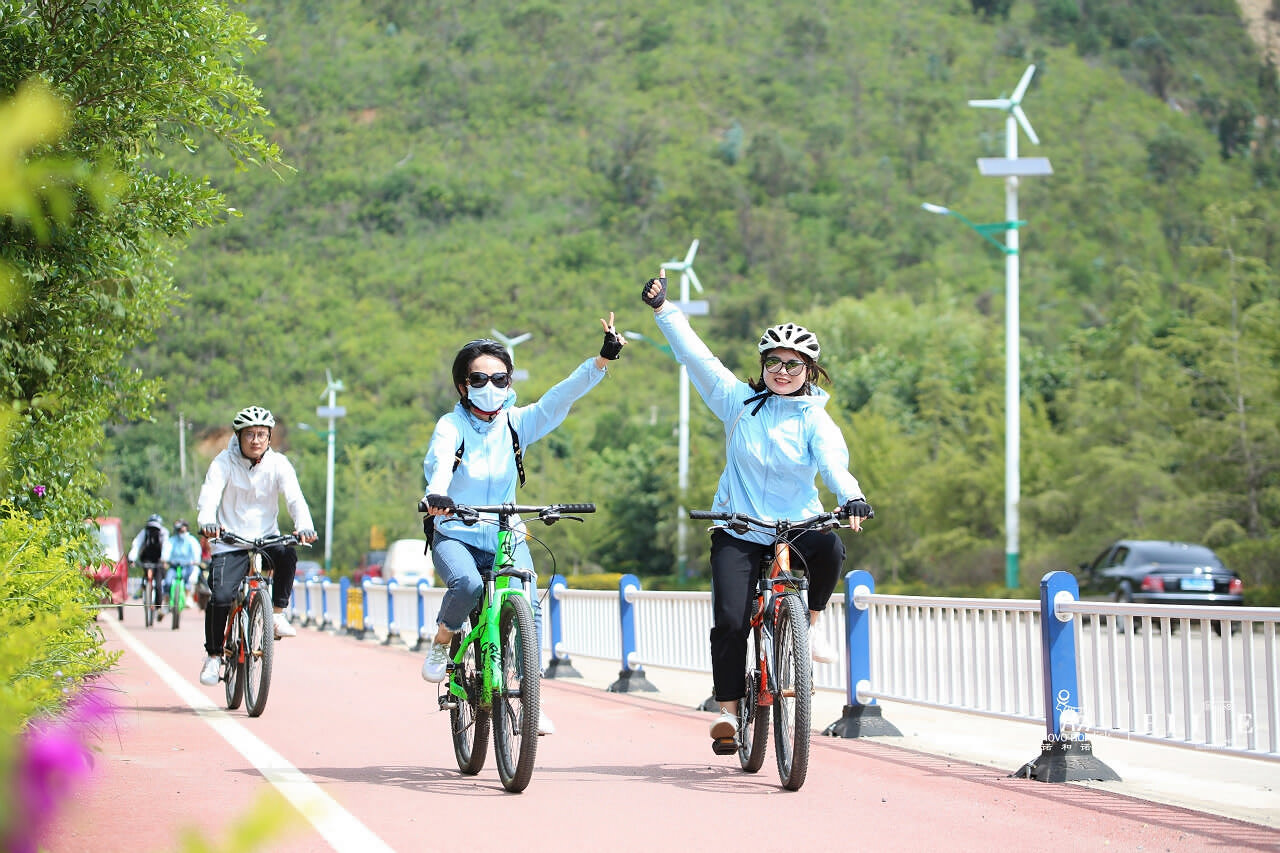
<point x="439" y="502"/>
<point x="858" y="508"/>
<point x="613" y="345"/>
<point x="209" y="531"/>
<point x="655" y="301"/>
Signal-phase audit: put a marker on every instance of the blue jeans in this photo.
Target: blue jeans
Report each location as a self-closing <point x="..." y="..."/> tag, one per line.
<point x="188" y="577"/>
<point x="458" y="566"/>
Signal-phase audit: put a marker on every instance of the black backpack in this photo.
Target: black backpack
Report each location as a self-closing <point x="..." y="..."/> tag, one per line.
<point x="152" y="547"/>
<point x="429" y="521"/>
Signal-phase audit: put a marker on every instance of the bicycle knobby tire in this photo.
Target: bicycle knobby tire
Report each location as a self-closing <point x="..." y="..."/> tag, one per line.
<point x="258" y="650"/>
<point x="753" y="718"/>
<point x="468" y="721"/>
<point x="516" y="705"/>
<point x="792" y="691"/>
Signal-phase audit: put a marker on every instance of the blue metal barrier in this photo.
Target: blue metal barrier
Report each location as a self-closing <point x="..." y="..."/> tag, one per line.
<point x="1065" y="754"/>
<point x="859" y="719"/>
<point x="630" y="677"/>
<point x="344" y="586"/>
<point x="423" y="583"/>
<point x="560" y="666"/>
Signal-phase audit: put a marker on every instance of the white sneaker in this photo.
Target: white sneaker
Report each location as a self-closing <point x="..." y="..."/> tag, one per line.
<point x="545" y="726"/>
<point x="437" y="662"/>
<point x="209" y="672"/>
<point x="725" y="725"/>
<point x="282" y="626"/>
<point x="820" y="650"/>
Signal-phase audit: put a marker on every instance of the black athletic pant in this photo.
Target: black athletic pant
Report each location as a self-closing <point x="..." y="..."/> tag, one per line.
<point x="819" y="555"/>
<point x="226" y="571"/>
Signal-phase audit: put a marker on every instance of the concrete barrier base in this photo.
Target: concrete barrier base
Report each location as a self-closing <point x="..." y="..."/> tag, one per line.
<point x="631" y="680"/>
<point x="1066" y="761"/>
<point x="561" y="668"/>
<point x="861" y="721"/>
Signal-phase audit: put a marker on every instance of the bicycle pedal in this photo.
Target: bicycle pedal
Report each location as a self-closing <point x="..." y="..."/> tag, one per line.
<point x="724" y="746"/>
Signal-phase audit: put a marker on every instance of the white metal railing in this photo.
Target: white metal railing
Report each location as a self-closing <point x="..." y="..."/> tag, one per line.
<point x="1169" y="678"/>
<point x="969" y="654"/>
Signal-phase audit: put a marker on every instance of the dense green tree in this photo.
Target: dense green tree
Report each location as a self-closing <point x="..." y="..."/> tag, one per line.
<point x="139" y="80"/>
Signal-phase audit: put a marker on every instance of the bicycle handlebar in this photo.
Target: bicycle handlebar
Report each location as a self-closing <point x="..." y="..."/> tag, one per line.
<point x="287" y="539"/>
<point x="740" y="522"/>
<point x="470" y="515"/>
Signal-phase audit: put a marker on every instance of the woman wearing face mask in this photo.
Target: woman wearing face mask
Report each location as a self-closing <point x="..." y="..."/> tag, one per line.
<point x="491" y="431"/>
<point x="779" y="438"/>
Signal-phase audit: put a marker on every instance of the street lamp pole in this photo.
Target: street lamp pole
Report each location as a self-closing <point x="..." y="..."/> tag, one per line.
<point x="1010" y="168"/>
<point x="332" y="411"/>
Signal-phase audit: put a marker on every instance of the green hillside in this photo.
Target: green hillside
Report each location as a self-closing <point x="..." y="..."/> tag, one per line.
<point x="526" y="166"/>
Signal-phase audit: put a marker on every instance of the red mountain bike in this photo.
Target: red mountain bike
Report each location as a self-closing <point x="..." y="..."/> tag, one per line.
<point x="781" y="675"/>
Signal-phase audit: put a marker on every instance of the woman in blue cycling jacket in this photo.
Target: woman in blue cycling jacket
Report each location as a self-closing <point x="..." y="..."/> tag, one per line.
<point x="778" y="438"/>
<point x="488" y="426"/>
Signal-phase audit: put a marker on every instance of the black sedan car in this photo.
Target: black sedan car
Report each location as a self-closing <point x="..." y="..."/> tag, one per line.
<point x="1147" y="571"/>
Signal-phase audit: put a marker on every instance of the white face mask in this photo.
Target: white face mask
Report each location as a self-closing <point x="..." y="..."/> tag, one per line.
<point x="487" y="399"/>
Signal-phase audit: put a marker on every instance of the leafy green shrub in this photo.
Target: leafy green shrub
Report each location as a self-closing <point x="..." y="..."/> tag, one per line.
<point x="604" y="580"/>
<point x="51" y="646"/>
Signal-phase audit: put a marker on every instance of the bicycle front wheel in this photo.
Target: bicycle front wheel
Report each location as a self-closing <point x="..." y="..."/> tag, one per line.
<point x="177" y="600"/>
<point x="468" y="721"/>
<point x="516" y="704"/>
<point x="753" y="718"/>
<point x="259" y="646"/>
<point x="793" y="691"/>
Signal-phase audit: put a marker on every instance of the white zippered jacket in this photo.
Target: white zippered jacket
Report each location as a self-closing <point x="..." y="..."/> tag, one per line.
<point x="245" y="498"/>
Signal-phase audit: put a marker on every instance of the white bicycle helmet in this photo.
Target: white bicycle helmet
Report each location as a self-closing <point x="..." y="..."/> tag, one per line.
<point x="791" y="336"/>
<point x="253" y="416"/>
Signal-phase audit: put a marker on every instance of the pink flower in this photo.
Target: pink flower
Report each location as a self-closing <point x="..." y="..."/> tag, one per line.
<point x="38" y="491"/>
<point x="53" y="759"/>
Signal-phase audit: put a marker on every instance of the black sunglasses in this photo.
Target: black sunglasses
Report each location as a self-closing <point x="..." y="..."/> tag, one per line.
<point x="478" y="380"/>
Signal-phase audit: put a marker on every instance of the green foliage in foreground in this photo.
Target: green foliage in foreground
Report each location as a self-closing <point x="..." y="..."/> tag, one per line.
<point x="47" y="606"/>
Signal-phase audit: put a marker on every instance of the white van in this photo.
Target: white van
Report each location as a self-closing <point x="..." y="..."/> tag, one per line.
<point x="408" y="563"/>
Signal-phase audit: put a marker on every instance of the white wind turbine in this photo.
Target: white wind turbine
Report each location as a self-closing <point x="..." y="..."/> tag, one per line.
<point x="519" y="374"/>
<point x="698" y="307"/>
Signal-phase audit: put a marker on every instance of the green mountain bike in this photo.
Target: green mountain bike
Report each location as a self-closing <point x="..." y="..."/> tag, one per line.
<point x="495" y="676"/>
<point x="177" y="595"/>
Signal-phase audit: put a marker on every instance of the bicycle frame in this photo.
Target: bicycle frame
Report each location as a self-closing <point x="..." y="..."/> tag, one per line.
<point x="504" y="561"/>
<point x="779" y="582"/>
<point x="254" y="580"/>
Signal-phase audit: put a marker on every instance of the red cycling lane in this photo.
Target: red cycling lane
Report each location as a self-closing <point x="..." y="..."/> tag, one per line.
<point x="375" y="770"/>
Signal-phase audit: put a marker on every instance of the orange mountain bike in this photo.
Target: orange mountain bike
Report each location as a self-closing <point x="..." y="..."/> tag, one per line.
<point x="780" y="675"/>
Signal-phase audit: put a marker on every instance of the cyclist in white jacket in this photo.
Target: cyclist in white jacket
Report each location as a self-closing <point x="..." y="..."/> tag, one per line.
<point x="241" y="493"/>
<point x="778" y="438"/>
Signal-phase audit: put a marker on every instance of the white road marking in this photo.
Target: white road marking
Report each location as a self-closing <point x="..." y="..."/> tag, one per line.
<point x="338" y="826"/>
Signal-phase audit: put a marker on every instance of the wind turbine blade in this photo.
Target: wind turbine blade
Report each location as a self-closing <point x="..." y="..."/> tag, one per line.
<point x="693" y="250"/>
<point x="1026" y="125"/>
<point x="1022" y="84"/>
<point x="693" y="278"/>
<point x="993" y="103"/>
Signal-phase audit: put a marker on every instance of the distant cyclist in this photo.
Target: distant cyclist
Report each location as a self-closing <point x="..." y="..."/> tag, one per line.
<point x="475" y="458"/>
<point x="150" y="553"/>
<point x="241" y="493"/>
<point x="779" y="437"/>
<point x="184" y="556"/>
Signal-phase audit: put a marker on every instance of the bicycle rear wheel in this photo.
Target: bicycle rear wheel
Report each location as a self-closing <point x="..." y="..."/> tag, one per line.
<point x="753" y="718"/>
<point x="515" y="724"/>
<point x="259" y="646"/>
<point x="793" y="694"/>
<point x="233" y="678"/>
<point x="148" y="602"/>
<point x="468" y="722"/>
